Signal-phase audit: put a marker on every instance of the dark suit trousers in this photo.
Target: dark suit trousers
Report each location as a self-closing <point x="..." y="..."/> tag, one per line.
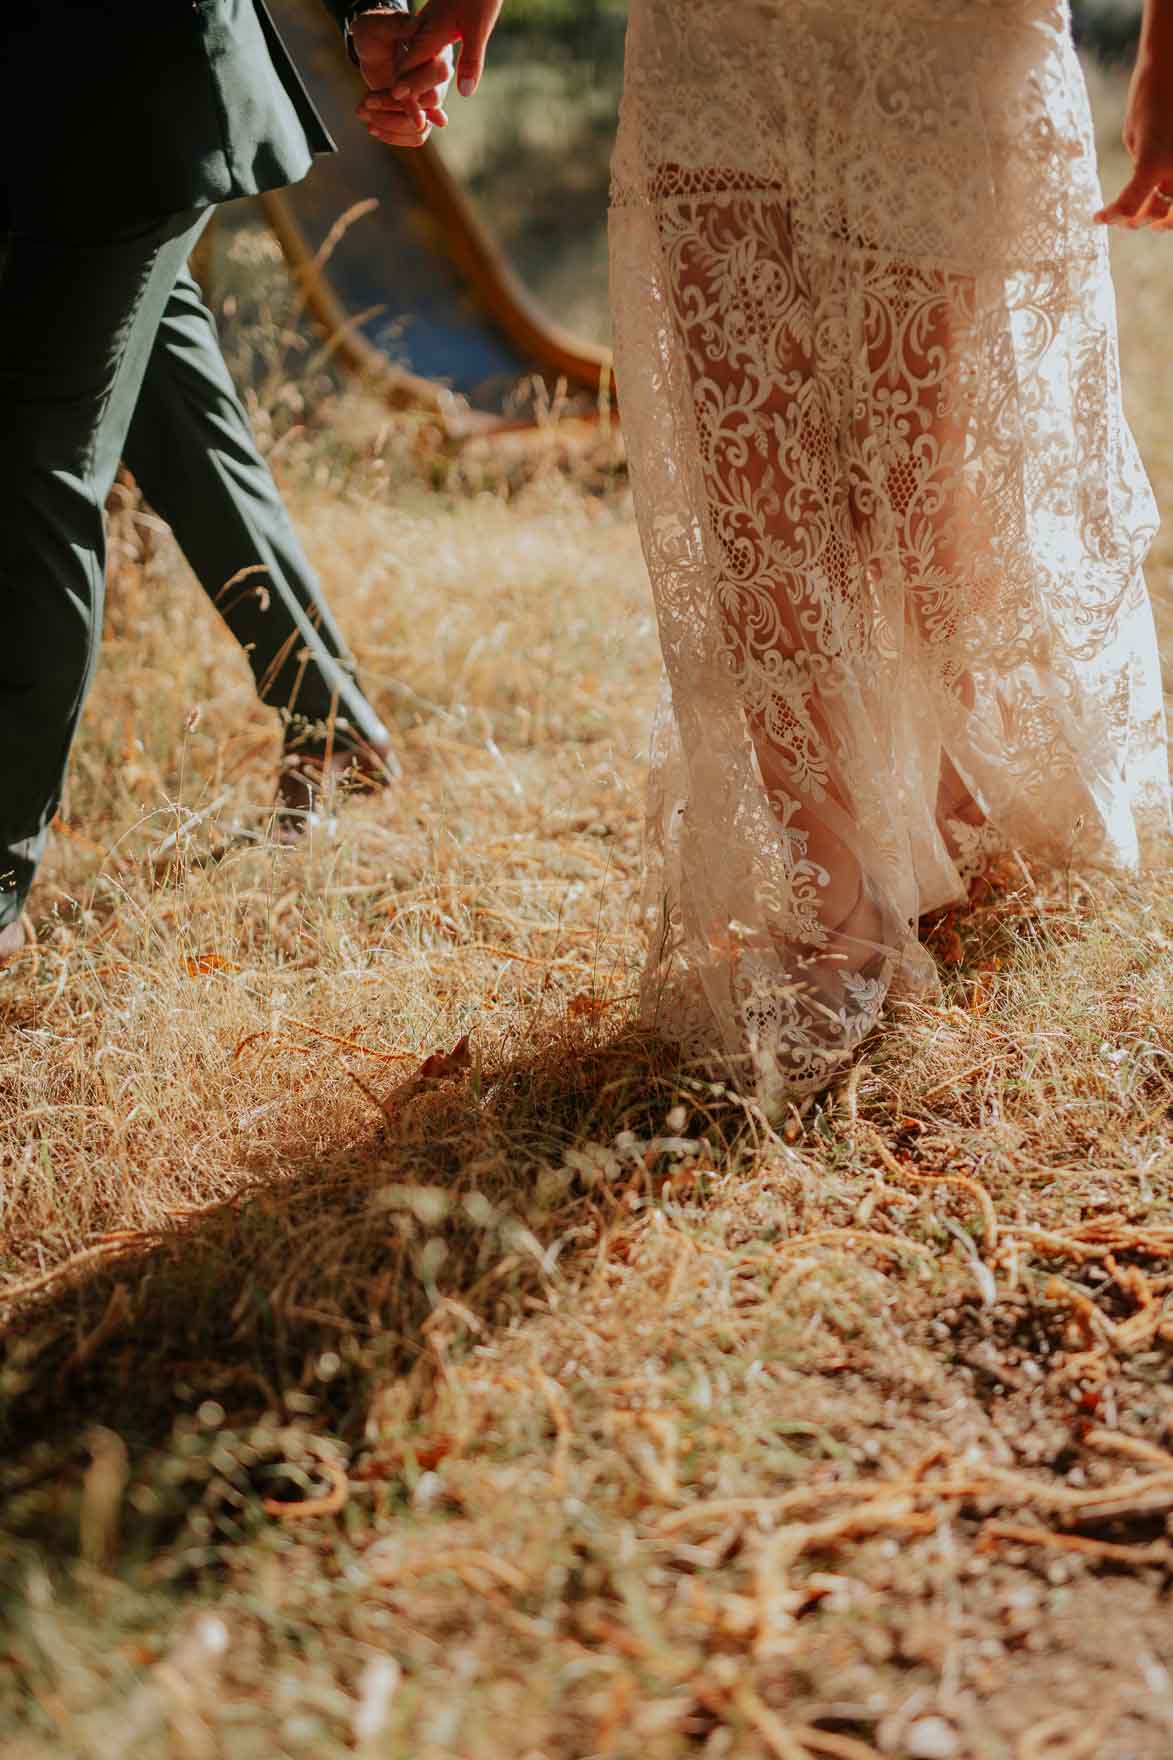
<point x="106" y="350"/>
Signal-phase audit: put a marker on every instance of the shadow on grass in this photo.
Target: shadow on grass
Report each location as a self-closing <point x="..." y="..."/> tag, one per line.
<point x="461" y="1193"/>
<point x="295" y="1305"/>
<point x="292" y="1304"/>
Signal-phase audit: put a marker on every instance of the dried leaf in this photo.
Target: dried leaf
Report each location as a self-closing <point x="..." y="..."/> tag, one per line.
<point x="204" y="963"/>
<point x="951" y="951"/>
<point x="442" y="1064"/>
<point x="64" y="829"/>
<point x="584" y="1005"/>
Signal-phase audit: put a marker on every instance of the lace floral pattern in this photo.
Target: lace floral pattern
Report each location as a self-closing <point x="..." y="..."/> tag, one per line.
<point x="893" y="515"/>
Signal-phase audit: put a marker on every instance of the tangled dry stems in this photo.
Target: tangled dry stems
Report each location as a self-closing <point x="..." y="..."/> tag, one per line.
<point x="554" y="1363"/>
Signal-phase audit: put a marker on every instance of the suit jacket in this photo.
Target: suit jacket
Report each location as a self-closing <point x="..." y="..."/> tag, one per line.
<point x="114" y="111"/>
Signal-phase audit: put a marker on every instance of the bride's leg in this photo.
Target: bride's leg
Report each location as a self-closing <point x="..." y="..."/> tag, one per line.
<point x="942" y="531"/>
<point x="779" y="525"/>
<point x="840" y="511"/>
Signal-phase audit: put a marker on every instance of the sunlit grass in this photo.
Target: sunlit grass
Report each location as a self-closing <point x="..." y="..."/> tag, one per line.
<point x="634" y="1422"/>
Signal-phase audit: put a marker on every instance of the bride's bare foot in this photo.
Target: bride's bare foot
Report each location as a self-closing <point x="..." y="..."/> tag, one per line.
<point x="807" y="1011"/>
<point x="837" y="988"/>
<point x="869" y="926"/>
<point x="973" y="842"/>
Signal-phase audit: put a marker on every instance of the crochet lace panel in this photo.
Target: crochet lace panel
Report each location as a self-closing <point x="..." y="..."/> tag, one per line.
<point x="892" y="513"/>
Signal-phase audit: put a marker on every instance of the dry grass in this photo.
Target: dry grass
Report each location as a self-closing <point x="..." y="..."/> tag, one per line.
<point x="549" y="1400"/>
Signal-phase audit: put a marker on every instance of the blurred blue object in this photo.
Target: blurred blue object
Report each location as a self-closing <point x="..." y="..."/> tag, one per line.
<point x="415" y="289"/>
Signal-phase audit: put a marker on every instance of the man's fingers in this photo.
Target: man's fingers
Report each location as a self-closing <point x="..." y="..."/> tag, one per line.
<point x="403" y="124"/>
<point x="401" y="133"/>
<point x="410" y="110"/>
<point x="407" y="116"/>
<point x="385" y="103"/>
<point x="381" y="104"/>
<point x="380" y="40"/>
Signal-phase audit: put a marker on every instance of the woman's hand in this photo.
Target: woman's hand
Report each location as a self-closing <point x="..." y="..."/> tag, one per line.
<point x="443" y="23"/>
<point x="1147" y="198"/>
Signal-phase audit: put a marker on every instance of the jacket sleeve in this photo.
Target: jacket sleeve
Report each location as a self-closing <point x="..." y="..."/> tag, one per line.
<point x="344" y="10"/>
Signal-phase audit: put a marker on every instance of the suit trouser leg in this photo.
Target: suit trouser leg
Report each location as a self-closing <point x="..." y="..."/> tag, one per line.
<point x="77" y="325"/>
<point x="195" y="460"/>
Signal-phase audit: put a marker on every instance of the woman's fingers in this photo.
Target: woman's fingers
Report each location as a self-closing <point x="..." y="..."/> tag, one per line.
<point x="1142" y="201"/>
<point x="406" y="125"/>
<point x="1151" y="213"/>
<point x="1154" y="210"/>
<point x="1127" y="205"/>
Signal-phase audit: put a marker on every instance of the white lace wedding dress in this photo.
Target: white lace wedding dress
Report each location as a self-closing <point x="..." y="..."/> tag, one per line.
<point x="893" y="515"/>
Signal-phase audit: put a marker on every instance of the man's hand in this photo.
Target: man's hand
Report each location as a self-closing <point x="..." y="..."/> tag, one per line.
<point x="378" y="40"/>
<point x="441" y="25"/>
<point x="383" y="43"/>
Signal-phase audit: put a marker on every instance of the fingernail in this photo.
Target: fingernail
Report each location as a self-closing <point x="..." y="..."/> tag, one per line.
<point x="401" y="92"/>
<point x="467" y="87"/>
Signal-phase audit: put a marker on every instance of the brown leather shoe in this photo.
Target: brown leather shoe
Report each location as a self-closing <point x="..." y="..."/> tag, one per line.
<point x="14" y="938"/>
<point x="311" y="776"/>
